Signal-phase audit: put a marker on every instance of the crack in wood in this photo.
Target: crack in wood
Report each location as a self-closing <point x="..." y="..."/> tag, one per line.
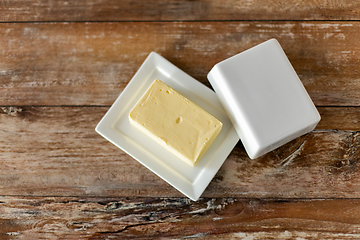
<point x="291" y="156"/>
<point x="124" y="229"/>
<point x="334" y="131"/>
<point x="121" y="205"/>
<point x="160" y="220"/>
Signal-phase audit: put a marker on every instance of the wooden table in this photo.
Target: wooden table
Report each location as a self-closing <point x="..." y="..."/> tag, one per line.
<point x="62" y="65"/>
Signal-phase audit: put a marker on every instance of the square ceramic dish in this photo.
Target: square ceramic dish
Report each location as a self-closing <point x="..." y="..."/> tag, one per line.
<point x="115" y="127"/>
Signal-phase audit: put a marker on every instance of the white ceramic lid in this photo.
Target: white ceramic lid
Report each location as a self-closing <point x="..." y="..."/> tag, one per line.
<point x="264" y="98"/>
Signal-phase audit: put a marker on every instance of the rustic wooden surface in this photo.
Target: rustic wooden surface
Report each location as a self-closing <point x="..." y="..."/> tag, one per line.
<point x="63" y="63"/>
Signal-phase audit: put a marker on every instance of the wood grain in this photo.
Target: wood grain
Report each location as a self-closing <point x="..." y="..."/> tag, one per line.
<point x="169" y="10"/>
<point x="91" y="63"/>
<point x="339" y="118"/>
<point x="54" y="151"/>
<point x="175" y="218"/>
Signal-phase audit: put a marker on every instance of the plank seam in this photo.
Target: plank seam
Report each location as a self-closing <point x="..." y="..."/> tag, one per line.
<point x="82" y="197"/>
<point x="94" y="105"/>
<point x="185" y="21"/>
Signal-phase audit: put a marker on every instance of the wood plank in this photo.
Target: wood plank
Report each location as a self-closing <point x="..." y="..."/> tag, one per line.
<point x="342" y="118"/>
<point x="54" y="151"/>
<point x="91" y="63"/>
<point x="168" y="10"/>
<point x="209" y="218"/>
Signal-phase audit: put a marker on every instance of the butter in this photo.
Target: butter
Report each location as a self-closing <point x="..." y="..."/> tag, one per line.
<point x="172" y="120"/>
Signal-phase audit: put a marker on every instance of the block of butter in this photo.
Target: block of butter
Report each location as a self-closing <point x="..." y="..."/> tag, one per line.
<point x="172" y="120"/>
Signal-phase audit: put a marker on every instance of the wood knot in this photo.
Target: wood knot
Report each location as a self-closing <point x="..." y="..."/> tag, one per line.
<point x="229" y="208"/>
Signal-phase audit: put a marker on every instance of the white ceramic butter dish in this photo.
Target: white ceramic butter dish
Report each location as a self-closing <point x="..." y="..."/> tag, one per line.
<point x="257" y="92"/>
<point x="115" y="126"/>
<point x="264" y="98"/>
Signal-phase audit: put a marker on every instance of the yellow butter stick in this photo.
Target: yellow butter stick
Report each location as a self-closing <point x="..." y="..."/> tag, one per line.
<point x="172" y="120"/>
